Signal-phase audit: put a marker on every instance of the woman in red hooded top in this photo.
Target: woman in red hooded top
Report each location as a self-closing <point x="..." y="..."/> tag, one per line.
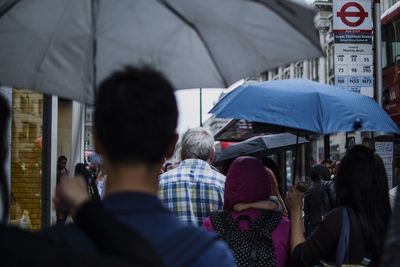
<point x="256" y="236"/>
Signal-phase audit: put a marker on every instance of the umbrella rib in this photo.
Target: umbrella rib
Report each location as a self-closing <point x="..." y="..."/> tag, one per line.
<point x="94" y="6"/>
<point x="268" y="4"/>
<point x="8" y="6"/>
<point x="321" y="115"/>
<point x="197" y="31"/>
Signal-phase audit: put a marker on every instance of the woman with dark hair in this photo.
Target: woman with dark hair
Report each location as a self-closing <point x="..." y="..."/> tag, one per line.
<point x="277" y="190"/>
<point x="270" y="164"/>
<point x="354" y="232"/>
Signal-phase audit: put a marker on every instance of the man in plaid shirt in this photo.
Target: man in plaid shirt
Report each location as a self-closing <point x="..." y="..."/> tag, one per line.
<point x="193" y="189"/>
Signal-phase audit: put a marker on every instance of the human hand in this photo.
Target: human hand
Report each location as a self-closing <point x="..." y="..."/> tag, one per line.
<point x="241" y="207"/>
<point x="294" y="200"/>
<point x="71" y="191"/>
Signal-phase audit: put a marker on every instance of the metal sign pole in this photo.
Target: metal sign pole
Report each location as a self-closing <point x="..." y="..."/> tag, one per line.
<point x="201" y="107"/>
<point x="378" y="50"/>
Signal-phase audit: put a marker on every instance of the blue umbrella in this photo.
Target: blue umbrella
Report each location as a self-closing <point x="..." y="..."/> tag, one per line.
<point x="305" y="105"/>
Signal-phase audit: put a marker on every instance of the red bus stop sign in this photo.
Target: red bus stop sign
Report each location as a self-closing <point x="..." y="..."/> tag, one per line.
<point x="360" y="14"/>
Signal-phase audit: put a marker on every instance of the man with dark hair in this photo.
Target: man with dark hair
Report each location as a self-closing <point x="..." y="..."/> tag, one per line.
<point x="62" y="167"/>
<point x="330" y="164"/>
<point x="134" y="130"/>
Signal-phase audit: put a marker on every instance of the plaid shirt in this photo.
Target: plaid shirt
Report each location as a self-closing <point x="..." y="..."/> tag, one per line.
<point x="192" y="191"/>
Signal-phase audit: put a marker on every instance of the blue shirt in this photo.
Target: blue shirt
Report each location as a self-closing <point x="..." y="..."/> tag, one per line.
<point x="147" y="216"/>
<point x="192" y="191"/>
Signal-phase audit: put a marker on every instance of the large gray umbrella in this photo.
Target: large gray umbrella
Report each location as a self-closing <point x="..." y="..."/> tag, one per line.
<point x="66" y="47"/>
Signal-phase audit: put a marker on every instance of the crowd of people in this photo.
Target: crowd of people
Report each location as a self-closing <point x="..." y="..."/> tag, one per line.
<point x="126" y="214"/>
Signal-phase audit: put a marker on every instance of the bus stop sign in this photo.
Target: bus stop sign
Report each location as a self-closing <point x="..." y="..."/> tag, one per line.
<point x="360" y="15"/>
<point x="353" y="57"/>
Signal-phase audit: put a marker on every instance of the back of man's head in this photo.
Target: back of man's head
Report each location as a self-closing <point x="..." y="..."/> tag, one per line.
<point x="197" y="143"/>
<point x="135" y="116"/>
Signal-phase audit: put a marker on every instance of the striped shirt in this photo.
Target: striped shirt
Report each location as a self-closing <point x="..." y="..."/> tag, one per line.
<point x="192" y="191"/>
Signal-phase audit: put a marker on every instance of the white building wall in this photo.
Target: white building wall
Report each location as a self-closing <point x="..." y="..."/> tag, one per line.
<point x="77" y="133"/>
<point x="306" y="70"/>
<point x="71" y="128"/>
<point x="386" y="4"/>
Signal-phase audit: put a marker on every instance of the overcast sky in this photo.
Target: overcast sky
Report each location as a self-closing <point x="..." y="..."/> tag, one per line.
<point x="189" y="106"/>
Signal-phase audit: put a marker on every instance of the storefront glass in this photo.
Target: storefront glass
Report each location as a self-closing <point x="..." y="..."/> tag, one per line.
<point x="26" y="159"/>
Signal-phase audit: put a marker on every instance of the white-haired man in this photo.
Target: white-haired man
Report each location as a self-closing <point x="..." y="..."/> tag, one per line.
<point x="193" y="189"/>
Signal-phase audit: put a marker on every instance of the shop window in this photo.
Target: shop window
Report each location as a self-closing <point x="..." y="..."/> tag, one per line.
<point x="384" y="46"/>
<point x="299" y="70"/>
<point x="275" y="74"/>
<point x="315" y="69"/>
<point x="26" y="159"/>
<point x="286" y="73"/>
<point x="395" y="40"/>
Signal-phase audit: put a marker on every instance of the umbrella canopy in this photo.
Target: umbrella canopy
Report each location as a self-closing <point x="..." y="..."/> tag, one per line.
<point x="262" y="146"/>
<point x="66" y="47"/>
<point x="305" y="105"/>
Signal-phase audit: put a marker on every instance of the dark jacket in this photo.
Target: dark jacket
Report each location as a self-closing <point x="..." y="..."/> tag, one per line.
<point x="122" y="245"/>
<point x="323" y="242"/>
<point x="319" y="200"/>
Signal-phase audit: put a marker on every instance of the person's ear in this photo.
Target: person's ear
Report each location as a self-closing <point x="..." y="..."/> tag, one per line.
<point x="171" y="147"/>
<point x="212" y="157"/>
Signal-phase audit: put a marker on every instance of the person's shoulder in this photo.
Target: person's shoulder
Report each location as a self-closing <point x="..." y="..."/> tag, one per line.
<point x="217" y="254"/>
<point x="68" y="235"/>
<point x="167" y="176"/>
<point x="285" y="222"/>
<point x="283" y="227"/>
<point x="219" y="177"/>
<point x="216" y="175"/>
<point x="338" y="211"/>
<point x="203" y="245"/>
<point x="335" y="216"/>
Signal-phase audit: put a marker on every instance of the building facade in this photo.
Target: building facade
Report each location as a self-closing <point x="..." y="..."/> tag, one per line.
<point x="386" y="4"/>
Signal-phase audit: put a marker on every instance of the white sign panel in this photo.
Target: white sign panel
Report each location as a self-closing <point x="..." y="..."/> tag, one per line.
<point x="352" y="15"/>
<point x="352" y="26"/>
<point x="385" y="151"/>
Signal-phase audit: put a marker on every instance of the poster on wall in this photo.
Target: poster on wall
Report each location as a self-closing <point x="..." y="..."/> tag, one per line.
<point x="353" y="55"/>
<point x="385" y="151"/>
